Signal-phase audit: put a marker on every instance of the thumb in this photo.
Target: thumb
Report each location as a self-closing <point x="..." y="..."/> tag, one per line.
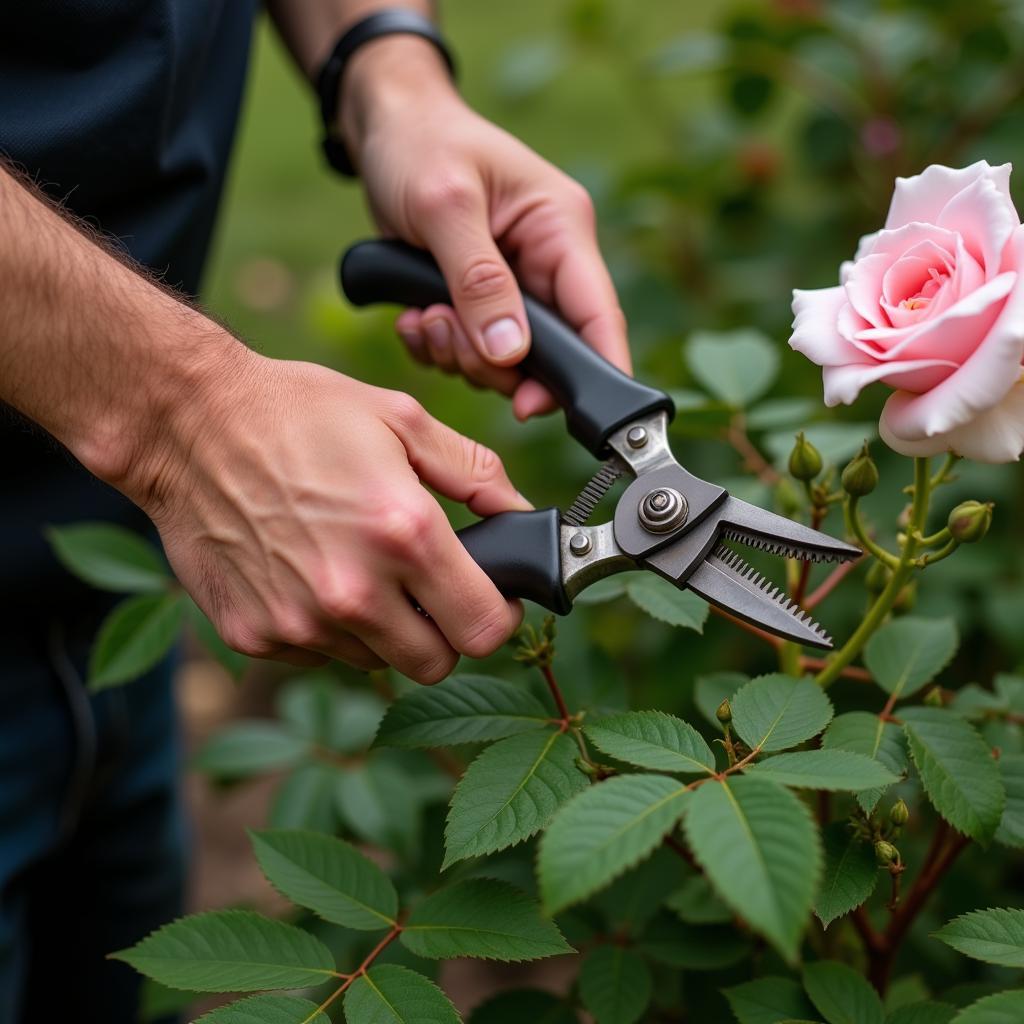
<point x="454" y="465"/>
<point x="484" y="290"/>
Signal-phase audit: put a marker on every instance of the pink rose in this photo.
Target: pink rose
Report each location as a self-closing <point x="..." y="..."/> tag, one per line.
<point x="933" y="306"/>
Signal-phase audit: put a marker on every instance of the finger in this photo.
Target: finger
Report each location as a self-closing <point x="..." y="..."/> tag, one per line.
<point x="458" y="467"/>
<point x="467" y="359"/>
<point x="436" y="330"/>
<point x="297" y="656"/>
<point x="340" y="645"/>
<point x="531" y="398"/>
<point x="407" y="640"/>
<point x="456" y="229"/>
<point x="409" y="329"/>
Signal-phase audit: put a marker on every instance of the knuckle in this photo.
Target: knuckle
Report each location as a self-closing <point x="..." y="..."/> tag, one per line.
<point x="400" y="528"/>
<point x="484" y="278"/>
<point x="408" y="413"/>
<point x="245" y="640"/>
<point x="484" y="464"/>
<point x="348" y="601"/>
<point x="433" y="668"/>
<point x="485" y="634"/>
<point x="296" y="630"/>
<point x="444" y="194"/>
<point x="579" y="201"/>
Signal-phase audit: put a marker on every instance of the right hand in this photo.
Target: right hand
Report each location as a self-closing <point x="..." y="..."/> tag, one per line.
<point x="295" y="514"/>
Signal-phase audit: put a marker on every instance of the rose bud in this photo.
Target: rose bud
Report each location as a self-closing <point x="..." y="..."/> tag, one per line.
<point x="969" y="521"/>
<point x="861" y="474"/>
<point x="899" y="814"/>
<point x="877" y="578"/>
<point x="804" y="460"/>
<point x="906" y="598"/>
<point x="724" y="712"/>
<point x="886" y="853"/>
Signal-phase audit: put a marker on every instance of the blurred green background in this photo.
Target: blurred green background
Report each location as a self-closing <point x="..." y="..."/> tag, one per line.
<point x="734" y="151"/>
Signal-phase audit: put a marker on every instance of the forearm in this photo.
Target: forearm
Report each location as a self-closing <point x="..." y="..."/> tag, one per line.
<point x="90" y="349"/>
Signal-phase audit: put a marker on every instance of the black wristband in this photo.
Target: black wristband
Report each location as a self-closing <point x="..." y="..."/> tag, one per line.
<point x="393" y="21"/>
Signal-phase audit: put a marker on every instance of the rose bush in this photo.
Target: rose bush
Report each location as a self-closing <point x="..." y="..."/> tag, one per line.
<point x="933" y="306"/>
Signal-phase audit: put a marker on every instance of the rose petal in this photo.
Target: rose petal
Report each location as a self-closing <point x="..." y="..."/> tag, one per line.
<point x="981" y="382"/>
<point x="864" y="286"/>
<point x="995" y="435"/>
<point x="866" y="245"/>
<point x="923" y="196"/>
<point x="816" y="313"/>
<point x="985" y="218"/>
<point x="842" y="384"/>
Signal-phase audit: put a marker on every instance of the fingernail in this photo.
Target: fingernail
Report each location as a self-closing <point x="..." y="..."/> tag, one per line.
<point x="503" y="338"/>
<point x="440" y="334"/>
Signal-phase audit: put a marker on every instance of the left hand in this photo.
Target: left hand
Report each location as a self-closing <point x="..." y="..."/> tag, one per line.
<point x="488" y="208"/>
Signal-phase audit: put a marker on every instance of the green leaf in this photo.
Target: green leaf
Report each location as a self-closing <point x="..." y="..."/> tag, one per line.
<point x="735" y="366"/>
<point x="328" y="876"/>
<point x="825" y="769"/>
<point x="781" y="412"/>
<point x="667" y="603"/>
<point x="927" y="1012"/>
<point x="653" y="739"/>
<point x="231" y="951"/>
<point x="909" y="652"/>
<point x="759" y="847"/>
<point x="134" y="637"/>
<point x="611" y="588"/>
<point x="774" y="712"/>
<point x="630" y="902"/>
<point x="485" y="918"/>
<point x="850" y="875"/>
<point x="865" y="733"/>
<point x="689" y="948"/>
<point x="250" y="748"/>
<point x="340" y="719"/>
<point x="841" y="994"/>
<point x="615" y="985"/>
<point x="1001" y="1008"/>
<point x="379" y="803"/>
<point x="305" y="799"/>
<point x="695" y="902"/>
<point x="767" y="1001"/>
<point x="266" y="1009"/>
<point x="709" y="691"/>
<point x="521" y="1005"/>
<point x="1011" y="826"/>
<point x="110" y="557"/>
<point x="995" y="936"/>
<point x="608" y="828"/>
<point x="510" y="792"/>
<point x="957" y="770"/>
<point x="462" y="709"/>
<point x="835" y="441"/>
<point x="389" y="994"/>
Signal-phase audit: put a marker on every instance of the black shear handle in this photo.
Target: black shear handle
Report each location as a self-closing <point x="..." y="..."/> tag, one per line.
<point x="597" y="398"/>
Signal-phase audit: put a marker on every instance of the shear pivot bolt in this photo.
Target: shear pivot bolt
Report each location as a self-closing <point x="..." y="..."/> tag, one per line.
<point x="637" y="437"/>
<point x="579" y="544"/>
<point x="662" y="510"/>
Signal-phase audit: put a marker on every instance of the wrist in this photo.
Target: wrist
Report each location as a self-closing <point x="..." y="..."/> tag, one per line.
<point x="385" y="77"/>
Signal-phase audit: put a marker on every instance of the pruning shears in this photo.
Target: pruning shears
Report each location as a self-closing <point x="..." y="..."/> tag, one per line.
<point x="666" y="520"/>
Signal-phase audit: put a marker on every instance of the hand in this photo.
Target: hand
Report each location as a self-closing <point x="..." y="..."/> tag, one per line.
<point x="443" y="178"/>
<point x="292" y="509"/>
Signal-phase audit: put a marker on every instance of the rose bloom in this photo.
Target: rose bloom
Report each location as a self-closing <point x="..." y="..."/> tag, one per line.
<point x="933" y="306"/>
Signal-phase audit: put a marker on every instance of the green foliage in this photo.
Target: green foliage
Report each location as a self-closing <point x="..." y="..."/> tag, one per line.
<point x="768" y="1000"/>
<point x="1000" y="1008"/>
<point x="995" y="936"/>
<point x="510" y="792"/>
<point x="867" y="734"/>
<point x="841" y="994"/>
<point x="667" y="603"/>
<point x="760" y="849"/>
<point x="328" y="876"/>
<point x="774" y="712"/>
<point x="615" y="985"/>
<point x="390" y="994"/>
<point x="849" y="876"/>
<point x="653" y="739"/>
<point x="957" y="770"/>
<point x="134" y="638"/>
<point x="461" y="709"/>
<point x="231" y="951"/>
<point x="907" y="653"/>
<point x="825" y="769"/>
<point x="266" y="1009"/>
<point x="735" y="366"/>
<point x="524" y="1005"/>
<point x="481" y="917"/>
<point x="110" y="557"/>
<point x="1011" y="826"/>
<point x="250" y="748"/>
<point x="602" y="832"/>
<point x="377" y="803"/>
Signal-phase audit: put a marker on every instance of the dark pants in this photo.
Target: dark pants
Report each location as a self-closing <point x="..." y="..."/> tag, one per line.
<point x="91" y="844"/>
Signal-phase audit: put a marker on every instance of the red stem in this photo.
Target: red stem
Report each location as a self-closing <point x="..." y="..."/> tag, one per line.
<point x="830" y="582"/>
<point x="817" y="515"/>
<point x="556" y="693"/>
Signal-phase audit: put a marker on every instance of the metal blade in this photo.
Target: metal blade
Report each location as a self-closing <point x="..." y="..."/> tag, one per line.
<point x="724" y="579"/>
<point x="586" y="501"/>
<point x="758" y="528"/>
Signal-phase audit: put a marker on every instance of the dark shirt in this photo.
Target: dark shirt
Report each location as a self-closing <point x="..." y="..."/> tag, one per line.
<point x="125" y="110"/>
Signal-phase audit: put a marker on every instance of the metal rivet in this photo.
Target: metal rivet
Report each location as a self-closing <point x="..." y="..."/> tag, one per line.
<point x="579" y="544"/>
<point x="662" y="510"/>
<point x="637" y="437"/>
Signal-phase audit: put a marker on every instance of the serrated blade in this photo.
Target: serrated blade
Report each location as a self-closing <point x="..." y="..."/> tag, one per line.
<point x="587" y="500"/>
<point x="724" y="579"/>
